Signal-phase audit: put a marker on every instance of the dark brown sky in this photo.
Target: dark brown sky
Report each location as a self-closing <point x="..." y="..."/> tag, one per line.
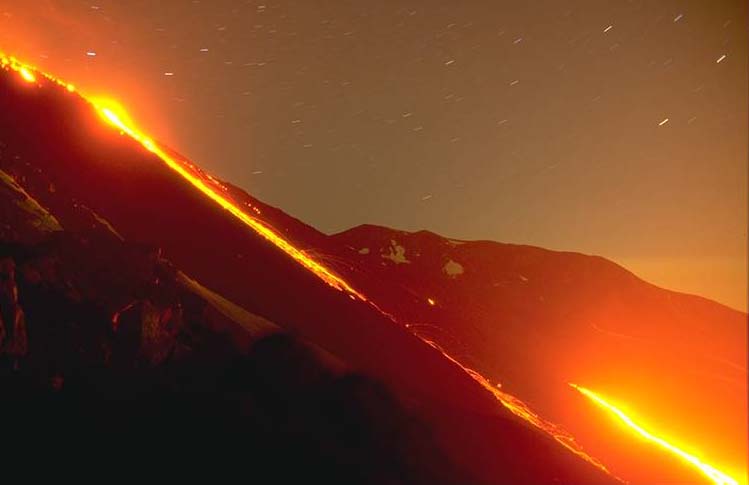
<point x="539" y="122"/>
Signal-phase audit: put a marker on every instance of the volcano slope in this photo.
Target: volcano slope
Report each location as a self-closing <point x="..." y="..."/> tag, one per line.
<point x="111" y="261"/>
<point x="112" y="355"/>
<point x="536" y="320"/>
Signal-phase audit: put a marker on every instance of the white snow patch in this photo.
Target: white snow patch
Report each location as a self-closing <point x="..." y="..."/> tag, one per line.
<point x="452" y="268"/>
<point x="396" y="253"/>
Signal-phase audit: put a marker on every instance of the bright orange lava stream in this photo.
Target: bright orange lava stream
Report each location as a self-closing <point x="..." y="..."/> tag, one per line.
<point x="266" y="232"/>
<point x="523" y="411"/>
<point x="718" y="477"/>
<point x="117" y="117"/>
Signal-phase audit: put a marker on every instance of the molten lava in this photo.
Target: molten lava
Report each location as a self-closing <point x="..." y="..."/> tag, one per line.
<point x="27" y="75"/>
<point x="115" y="116"/>
<point x="718" y="477"/>
<point x="524" y="412"/>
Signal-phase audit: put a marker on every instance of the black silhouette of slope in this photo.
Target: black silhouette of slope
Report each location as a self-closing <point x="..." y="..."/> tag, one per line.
<point x="172" y="376"/>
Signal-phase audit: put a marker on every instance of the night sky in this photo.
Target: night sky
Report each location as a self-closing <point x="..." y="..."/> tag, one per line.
<point x="616" y="128"/>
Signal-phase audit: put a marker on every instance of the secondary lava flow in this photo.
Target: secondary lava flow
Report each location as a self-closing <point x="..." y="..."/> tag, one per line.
<point x="212" y="189"/>
<point x="524" y="412"/>
<point x="718" y="477"/>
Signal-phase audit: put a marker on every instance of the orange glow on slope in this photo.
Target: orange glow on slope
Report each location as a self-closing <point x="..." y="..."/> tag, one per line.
<point x="29" y="73"/>
<point x="114" y="115"/>
<point x="524" y="412"/>
<point x="719" y="478"/>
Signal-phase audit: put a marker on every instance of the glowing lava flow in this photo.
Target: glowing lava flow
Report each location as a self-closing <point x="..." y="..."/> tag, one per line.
<point x="719" y="478"/>
<point x="521" y="410"/>
<point x="28" y="73"/>
<point x="266" y="232"/>
<point x="116" y="117"/>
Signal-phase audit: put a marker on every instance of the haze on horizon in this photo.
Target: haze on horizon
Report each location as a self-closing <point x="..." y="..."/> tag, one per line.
<point x="612" y="128"/>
